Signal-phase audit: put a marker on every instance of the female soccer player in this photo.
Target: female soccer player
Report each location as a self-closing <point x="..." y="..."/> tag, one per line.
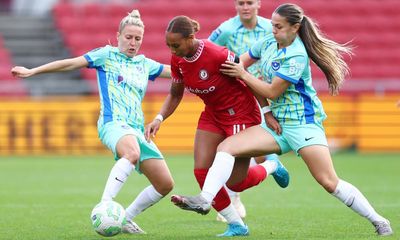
<point x="238" y="34"/>
<point x="287" y="75"/>
<point x="122" y="78"/>
<point x="230" y="107"/>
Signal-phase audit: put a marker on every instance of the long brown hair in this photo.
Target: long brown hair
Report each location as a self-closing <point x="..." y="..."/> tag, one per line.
<point x="325" y="53"/>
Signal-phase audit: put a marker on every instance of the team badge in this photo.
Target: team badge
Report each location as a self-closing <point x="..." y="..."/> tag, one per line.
<point x="275" y="65"/>
<point x="203" y="74"/>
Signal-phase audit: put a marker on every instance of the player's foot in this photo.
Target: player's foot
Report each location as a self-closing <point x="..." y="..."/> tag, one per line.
<point x="281" y="175"/>
<point x="132" y="228"/>
<point x="192" y="203"/>
<point x="235" y="229"/>
<point x="382" y="228"/>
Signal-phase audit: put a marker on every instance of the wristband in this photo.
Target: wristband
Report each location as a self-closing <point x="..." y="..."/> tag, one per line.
<point x="159" y="117"/>
<point x="265" y="109"/>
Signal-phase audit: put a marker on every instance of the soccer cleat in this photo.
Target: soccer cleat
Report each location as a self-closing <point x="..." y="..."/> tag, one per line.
<point x="382" y="228"/>
<point x="192" y="203"/>
<point x="235" y="229"/>
<point x="281" y="175"/>
<point x="132" y="228"/>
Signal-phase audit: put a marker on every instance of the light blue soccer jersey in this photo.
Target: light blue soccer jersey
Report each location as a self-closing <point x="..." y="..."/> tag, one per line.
<point x="233" y="35"/>
<point x="299" y="104"/>
<point x="122" y="82"/>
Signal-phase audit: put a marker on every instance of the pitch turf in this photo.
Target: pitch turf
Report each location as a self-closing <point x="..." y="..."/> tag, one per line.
<point x="51" y="197"/>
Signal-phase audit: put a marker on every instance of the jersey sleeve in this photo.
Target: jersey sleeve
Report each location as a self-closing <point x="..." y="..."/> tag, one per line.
<point x="175" y="72"/>
<point x="96" y="57"/>
<point x="155" y="68"/>
<point x="292" y="68"/>
<point x="255" y="50"/>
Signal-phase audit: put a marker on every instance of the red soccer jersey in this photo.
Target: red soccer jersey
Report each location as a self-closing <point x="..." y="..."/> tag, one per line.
<point x="227" y="98"/>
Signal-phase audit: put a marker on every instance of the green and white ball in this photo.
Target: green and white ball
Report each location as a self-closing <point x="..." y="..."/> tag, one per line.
<point x="108" y="218"/>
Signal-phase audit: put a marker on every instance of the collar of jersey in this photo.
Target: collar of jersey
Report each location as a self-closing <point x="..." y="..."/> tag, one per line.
<point x="197" y="54"/>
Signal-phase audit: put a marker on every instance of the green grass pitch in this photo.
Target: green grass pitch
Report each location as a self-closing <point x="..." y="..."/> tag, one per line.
<point x="51" y="197"/>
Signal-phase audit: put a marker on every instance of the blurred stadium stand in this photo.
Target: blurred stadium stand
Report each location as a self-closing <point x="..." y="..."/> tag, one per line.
<point x="372" y="27"/>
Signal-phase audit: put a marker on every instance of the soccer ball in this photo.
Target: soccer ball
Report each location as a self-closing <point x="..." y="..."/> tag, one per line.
<point x="107" y="218"/>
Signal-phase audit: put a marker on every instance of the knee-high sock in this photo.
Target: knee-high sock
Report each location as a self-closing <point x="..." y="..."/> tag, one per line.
<point x="221" y="200"/>
<point x="255" y="175"/>
<point x="118" y="175"/>
<point x="217" y="175"/>
<point x="148" y="197"/>
<point x="355" y="200"/>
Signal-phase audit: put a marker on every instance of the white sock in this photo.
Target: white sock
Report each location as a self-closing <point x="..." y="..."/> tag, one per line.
<point x="270" y="166"/>
<point x="217" y="175"/>
<point x="231" y="193"/>
<point x="148" y="197"/>
<point x="253" y="162"/>
<point x="355" y="200"/>
<point x="118" y="175"/>
<point x="231" y="216"/>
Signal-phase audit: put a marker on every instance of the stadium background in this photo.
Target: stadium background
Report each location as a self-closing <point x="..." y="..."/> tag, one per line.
<point x="56" y="113"/>
<point x="52" y="165"/>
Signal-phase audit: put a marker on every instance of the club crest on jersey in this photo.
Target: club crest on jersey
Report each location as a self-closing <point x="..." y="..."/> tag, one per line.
<point x="203" y="74"/>
<point x="275" y="65"/>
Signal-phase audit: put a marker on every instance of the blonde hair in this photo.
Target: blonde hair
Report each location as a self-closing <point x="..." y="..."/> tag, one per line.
<point x="133" y="18"/>
<point x="325" y="53"/>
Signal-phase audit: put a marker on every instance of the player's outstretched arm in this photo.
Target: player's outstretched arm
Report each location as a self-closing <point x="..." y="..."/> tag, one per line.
<point x="55" y="66"/>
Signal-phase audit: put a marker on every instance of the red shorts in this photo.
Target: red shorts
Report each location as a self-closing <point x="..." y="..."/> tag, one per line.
<point x="208" y="122"/>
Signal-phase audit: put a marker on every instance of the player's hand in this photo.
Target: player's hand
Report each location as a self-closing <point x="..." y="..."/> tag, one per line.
<point x="152" y="129"/>
<point x="22" y="72"/>
<point x="272" y="123"/>
<point x="233" y="69"/>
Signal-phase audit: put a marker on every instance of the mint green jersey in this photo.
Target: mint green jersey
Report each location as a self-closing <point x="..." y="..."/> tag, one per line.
<point x="299" y="104"/>
<point x="122" y="83"/>
<point x="233" y="35"/>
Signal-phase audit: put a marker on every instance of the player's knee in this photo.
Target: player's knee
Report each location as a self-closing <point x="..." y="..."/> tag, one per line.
<point x="166" y="187"/>
<point x="224" y="147"/>
<point x="132" y="155"/>
<point x="329" y="184"/>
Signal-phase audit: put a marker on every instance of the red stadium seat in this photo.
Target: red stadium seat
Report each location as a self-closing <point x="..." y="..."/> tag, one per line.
<point x="374" y="37"/>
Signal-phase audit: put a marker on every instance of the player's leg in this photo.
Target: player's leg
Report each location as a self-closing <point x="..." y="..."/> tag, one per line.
<point x="318" y="160"/>
<point x="153" y="166"/>
<point x="156" y="170"/>
<point x="253" y="141"/>
<point x="121" y="140"/>
<point x="206" y="143"/>
<point x="237" y="204"/>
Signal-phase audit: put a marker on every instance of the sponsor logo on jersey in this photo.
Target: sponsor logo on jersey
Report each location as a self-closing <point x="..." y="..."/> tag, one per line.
<point x="275" y="65"/>
<point x="231" y="56"/>
<point x="120" y="79"/>
<point x="126" y="127"/>
<point x="201" y="91"/>
<point x="203" y="74"/>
